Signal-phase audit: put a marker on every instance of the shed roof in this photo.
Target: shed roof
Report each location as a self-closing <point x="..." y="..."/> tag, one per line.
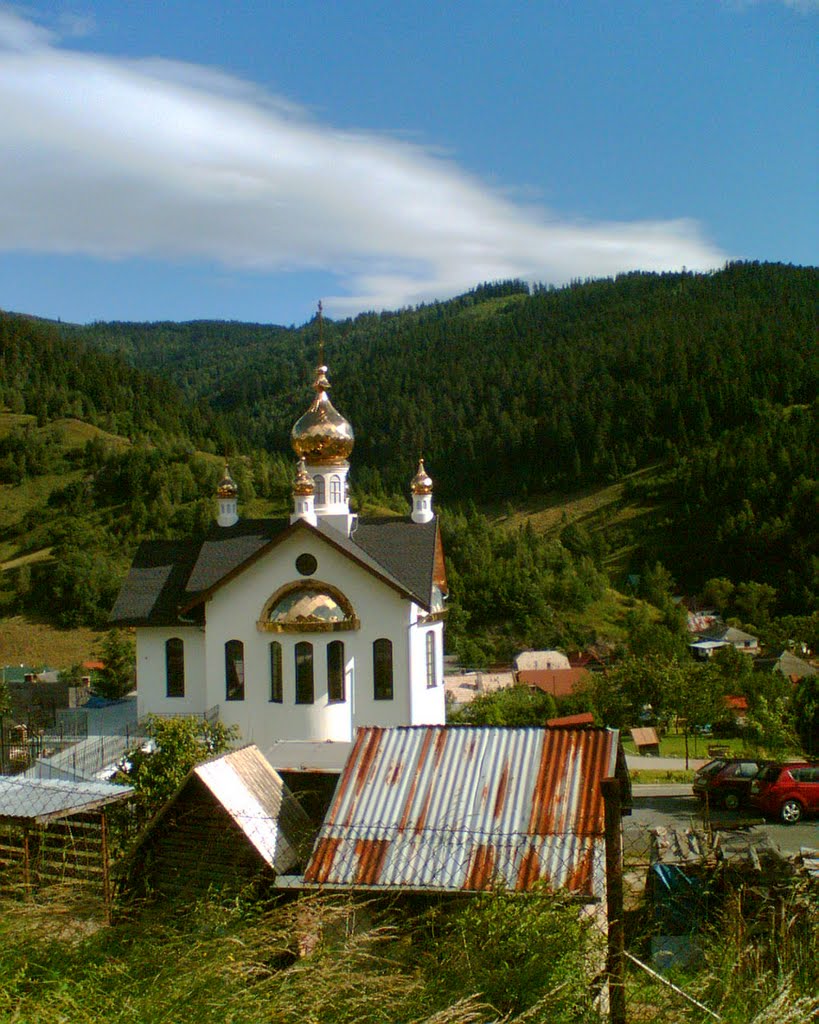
<point x="528" y="660"/>
<point x="41" y="800"/>
<point x="459" y="808"/>
<point x="565" y="721"/>
<point x="736" y="702"/>
<point x="257" y="800"/>
<point x="254" y="796"/>
<point x="645" y="736"/>
<point x="731" y="635"/>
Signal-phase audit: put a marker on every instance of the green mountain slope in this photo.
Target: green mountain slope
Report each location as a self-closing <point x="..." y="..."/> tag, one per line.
<point x="547" y="407"/>
<point x="509" y="393"/>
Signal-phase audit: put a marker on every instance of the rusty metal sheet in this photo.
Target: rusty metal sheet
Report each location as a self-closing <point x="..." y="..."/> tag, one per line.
<point x="436" y="807"/>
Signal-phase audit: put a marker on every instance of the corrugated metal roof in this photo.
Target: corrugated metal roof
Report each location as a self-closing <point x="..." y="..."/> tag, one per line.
<point x="41" y="800"/>
<point x="255" y="797"/>
<point x="436" y="807"/>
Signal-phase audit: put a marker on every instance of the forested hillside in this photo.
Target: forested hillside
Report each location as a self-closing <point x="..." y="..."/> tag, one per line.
<point x="706" y="384"/>
<point x="510" y="393"/>
<point x="52" y="375"/>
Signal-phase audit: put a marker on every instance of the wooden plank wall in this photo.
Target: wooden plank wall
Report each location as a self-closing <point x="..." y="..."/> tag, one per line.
<point x="68" y="850"/>
<point x="197" y="847"/>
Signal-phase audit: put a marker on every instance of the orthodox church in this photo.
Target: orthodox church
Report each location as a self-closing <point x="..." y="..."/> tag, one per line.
<point x="300" y="629"/>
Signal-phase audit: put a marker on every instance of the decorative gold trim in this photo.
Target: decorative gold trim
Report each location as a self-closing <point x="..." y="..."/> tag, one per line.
<point x="348" y="623"/>
<point x="425" y="620"/>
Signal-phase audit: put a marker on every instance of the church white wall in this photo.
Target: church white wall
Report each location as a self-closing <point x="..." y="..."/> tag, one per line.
<point x="150" y="666"/>
<point x="428" y="704"/>
<point x="232" y="613"/>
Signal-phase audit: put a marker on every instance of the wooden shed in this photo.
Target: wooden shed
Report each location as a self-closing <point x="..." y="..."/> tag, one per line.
<point x="646" y="741"/>
<point x="233" y="822"/>
<point x="53" y="831"/>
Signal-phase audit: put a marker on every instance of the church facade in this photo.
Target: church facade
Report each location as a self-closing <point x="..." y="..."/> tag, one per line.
<point x="299" y="629"/>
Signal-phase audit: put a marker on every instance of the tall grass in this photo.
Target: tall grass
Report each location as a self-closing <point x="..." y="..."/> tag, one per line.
<point x="312" y="960"/>
<point x="498" y="958"/>
<point x="762" y="955"/>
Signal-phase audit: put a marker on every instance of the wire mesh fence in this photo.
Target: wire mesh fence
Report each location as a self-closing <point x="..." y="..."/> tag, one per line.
<point x="718" y="924"/>
<point x="680" y="926"/>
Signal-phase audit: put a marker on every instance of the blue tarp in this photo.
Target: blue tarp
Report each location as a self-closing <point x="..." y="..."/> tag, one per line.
<point x="679" y="899"/>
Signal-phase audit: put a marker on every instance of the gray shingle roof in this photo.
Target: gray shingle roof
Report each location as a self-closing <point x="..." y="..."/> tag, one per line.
<point x="404" y="548"/>
<point x="168" y="579"/>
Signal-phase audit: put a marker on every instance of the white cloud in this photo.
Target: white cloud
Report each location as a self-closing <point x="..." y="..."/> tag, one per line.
<point x="801" y="6"/>
<point x="118" y="158"/>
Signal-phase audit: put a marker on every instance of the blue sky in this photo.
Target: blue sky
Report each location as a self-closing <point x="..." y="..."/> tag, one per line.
<point x="240" y="161"/>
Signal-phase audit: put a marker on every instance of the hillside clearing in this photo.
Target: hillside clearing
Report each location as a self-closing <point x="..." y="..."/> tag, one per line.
<point x="27" y="642"/>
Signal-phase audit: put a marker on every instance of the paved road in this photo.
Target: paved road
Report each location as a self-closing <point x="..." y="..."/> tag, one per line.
<point x="674" y="806"/>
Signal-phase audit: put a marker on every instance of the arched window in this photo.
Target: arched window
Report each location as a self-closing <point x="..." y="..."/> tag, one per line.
<point x="335" y="489"/>
<point x="318" y="480"/>
<point x="174" y="667"/>
<point x="431" y="680"/>
<point x="382" y="669"/>
<point x="304" y="673"/>
<point x="335" y="672"/>
<point x="276" y="688"/>
<point x="308" y="606"/>
<point x="234" y="670"/>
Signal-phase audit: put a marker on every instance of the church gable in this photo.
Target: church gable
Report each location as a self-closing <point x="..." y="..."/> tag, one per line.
<point x="297" y="629"/>
<point x="303" y="582"/>
<point x="171" y="578"/>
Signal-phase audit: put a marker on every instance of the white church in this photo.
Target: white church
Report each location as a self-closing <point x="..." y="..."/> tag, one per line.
<point x="297" y="631"/>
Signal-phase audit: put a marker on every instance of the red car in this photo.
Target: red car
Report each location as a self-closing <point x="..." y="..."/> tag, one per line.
<point x="726" y="781"/>
<point x="787" y="791"/>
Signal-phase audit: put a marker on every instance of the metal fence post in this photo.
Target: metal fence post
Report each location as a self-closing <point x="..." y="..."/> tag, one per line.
<point x="615" y="962"/>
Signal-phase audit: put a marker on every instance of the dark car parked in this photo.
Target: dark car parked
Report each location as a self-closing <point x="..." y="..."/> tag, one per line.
<point x="726" y="781"/>
<point x="787" y="791"/>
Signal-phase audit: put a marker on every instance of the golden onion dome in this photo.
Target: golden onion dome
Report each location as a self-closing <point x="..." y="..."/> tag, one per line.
<point x="421" y="482"/>
<point x="226" y="488"/>
<point x="303" y="484"/>
<point x="322" y="435"/>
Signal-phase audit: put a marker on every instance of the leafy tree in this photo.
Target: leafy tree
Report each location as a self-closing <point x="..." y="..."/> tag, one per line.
<point x="769" y="724"/>
<point x="5" y="699"/>
<point x="514" y="705"/>
<point x="806" y="713"/>
<point x="649" y="637"/>
<point x="79" y="588"/>
<point x="74" y="675"/>
<point x="791" y="633"/>
<point x="179" y="744"/>
<point x="646" y="687"/>
<point x="656" y="585"/>
<point x="696" y="698"/>
<point x="117" y="678"/>
<point x="604" y="696"/>
<point x="718" y="593"/>
<point x="754" y="601"/>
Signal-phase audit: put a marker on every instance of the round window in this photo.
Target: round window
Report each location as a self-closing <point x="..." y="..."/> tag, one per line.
<point x="306" y="564"/>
